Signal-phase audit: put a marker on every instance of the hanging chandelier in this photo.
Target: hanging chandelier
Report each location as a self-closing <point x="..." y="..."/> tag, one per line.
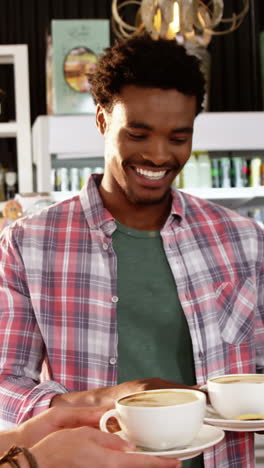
<point x="189" y="21"/>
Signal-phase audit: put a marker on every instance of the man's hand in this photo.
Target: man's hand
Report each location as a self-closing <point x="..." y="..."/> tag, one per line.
<point x="107" y="395"/>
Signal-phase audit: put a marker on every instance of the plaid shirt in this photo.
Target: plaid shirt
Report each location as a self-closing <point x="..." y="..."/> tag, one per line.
<point x="58" y="302"/>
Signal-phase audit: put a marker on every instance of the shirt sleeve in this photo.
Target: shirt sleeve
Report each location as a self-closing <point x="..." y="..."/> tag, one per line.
<point x="22" y="349"/>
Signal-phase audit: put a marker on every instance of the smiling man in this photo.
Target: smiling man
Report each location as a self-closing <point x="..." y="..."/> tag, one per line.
<point x="148" y="137"/>
<point x="131" y="285"/>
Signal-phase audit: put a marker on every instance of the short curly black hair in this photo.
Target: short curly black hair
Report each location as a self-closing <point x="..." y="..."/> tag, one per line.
<point x="146" y="62"/>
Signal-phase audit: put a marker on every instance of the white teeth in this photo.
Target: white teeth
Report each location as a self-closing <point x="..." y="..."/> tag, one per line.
<point x="150" y="174"/>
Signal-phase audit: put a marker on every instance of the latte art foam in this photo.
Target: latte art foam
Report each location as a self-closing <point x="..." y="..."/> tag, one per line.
<point x="255" y="379"/>
<point x="156" y="399"/>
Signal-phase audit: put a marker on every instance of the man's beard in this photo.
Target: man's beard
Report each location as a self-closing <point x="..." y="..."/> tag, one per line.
<point x="145" y="201"/>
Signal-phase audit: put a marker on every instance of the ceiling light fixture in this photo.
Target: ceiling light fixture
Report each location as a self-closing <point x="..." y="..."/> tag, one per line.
<point x="189" y="21"/>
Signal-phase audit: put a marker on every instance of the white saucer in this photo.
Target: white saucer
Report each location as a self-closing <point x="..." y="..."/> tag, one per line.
<point x="213" y="418"/>
<point x="207" y="437"/>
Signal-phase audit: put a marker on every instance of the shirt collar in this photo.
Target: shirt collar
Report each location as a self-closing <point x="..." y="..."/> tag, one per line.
<point x="178" y="205"/>
<point x="98" y="216"/>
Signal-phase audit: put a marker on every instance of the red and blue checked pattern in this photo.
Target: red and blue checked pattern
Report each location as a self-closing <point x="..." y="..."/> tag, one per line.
<point x="58" y="302"/>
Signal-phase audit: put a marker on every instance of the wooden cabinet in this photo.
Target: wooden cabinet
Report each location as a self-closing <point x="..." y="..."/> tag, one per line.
<point x="21" y="127"/>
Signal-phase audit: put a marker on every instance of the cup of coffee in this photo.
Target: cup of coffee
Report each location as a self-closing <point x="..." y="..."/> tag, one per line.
<point x="159" y="419"/>
<point x="235" y="395"/>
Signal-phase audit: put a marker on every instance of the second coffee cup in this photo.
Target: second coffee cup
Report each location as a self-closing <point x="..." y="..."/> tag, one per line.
<point x="235" y="395"/>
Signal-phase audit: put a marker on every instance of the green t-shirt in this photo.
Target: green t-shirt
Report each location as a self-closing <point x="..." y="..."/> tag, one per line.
<point x="153" y="334"/>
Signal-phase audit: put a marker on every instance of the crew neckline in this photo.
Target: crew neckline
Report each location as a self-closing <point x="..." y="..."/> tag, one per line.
<point x="152" y="233"/>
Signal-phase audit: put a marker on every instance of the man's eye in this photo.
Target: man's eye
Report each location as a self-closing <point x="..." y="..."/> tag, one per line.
<point x="136" y="136"/>
<point x="179" y="140"/>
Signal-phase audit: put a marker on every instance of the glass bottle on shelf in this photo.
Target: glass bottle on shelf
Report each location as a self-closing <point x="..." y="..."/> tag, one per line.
<point x="262" y="172"/>
<point x="62" y="179"/>
<point x="84" y="176"/>
<point x="204" y="170"/>
<point x="215" y="173"/>
<point x="225" y="172"/>
<point x="245" y="172"/>
<point x="189" y="174"/>
<point x="236" y="172"/>
<point x="74" y="179"/>
<point x="255" y="171"/>
<point x="10" y="180"/>
<point x="2" y="183"/>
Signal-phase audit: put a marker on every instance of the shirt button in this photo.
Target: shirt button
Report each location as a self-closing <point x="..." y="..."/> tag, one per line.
<point x="114" y="299"/>
<point x="105" y="246"/>
<point x="112" y="361"/>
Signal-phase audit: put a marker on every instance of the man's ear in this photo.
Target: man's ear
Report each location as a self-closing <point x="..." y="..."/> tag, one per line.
<point x="100" y="119"/>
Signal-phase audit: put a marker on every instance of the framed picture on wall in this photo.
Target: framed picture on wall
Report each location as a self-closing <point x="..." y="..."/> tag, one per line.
<point x="76" y="45"/>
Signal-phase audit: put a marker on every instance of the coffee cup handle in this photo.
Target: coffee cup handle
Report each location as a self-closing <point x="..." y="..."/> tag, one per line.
<point x="103" y="421"/>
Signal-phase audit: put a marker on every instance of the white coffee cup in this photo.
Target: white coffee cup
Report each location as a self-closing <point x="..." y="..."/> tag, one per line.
<point x="234" y="395"/>
<point x="159" y="419"/>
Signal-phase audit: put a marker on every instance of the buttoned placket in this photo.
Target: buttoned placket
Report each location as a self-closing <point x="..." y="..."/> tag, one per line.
<point x="107" y="247"/>
<point x="177" y="265"/>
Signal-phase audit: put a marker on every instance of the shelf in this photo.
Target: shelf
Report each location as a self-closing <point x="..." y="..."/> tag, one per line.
<point x="8" y="129"/>
<point x="231" y="197"/>
<point x="72" y="134"/>
<point x="77" y="135"/>
<point x="213" y="131"/>
<point x="228" y="193"/>
<point x="8" y="53"/>
<point x="63" y="134"/>
<point x="228" y="131"/>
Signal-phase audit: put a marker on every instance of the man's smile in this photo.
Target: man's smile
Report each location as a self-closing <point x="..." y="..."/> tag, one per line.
<point x="149" y="174"/>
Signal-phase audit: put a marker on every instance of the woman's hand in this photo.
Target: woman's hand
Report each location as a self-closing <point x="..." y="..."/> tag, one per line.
<point x="86" y="446"/>
<point x="55" y="419"/>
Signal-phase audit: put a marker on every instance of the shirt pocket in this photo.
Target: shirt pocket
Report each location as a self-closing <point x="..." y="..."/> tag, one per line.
<point x="236" y="304"/>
